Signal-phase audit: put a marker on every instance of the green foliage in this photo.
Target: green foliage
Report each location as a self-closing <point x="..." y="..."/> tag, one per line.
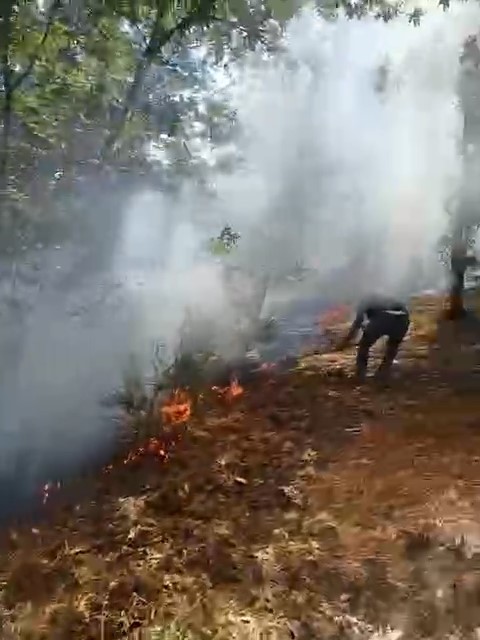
<point x="282" y="10"/>
<point x="76" y="72"/>
<point x="169" y="12"/>
<point x="87" y="70"/>
<point x="132" y="10"/>
<point x="225" y="242"/>
<point x="384" y="10"/>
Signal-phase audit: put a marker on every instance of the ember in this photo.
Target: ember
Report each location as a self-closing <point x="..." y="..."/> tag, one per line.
<point x="154" y="448"/>
<point x="177" y="409"/>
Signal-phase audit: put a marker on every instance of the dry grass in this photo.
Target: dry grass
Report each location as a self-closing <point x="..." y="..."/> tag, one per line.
<point x="306" y="508"/>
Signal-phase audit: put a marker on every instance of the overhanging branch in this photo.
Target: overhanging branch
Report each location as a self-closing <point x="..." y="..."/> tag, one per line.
<point x="159" y="37"/>
<point x="21" y="77"/>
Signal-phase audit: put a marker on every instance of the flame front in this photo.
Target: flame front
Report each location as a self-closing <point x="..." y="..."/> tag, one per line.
<point x="177" y="409"/>
<point x="154" y="448"/>
<point x="235" y="389"/>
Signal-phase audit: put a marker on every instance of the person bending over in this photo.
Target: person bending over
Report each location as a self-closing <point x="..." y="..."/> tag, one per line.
<point x="377" y="316"/>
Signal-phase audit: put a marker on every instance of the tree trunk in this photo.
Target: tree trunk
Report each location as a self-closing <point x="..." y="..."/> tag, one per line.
<point x="156" y="42"/>
<point x="159" y="37"/>
<point x="5" y="143"/>
<point x="6" y="18"/>
<point x="456" y="308"/>
<point x="130" y="99"/>
<point x="12" y="80"/>
<point x="459" y="262"/>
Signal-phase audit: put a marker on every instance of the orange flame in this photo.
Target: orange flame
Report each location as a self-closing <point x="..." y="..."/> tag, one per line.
<point x="154" y="447"/>
<point x="233" y="390"/>
<point x="177" y="409"/>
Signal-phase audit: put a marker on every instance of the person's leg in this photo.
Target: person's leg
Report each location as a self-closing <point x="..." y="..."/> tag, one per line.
<point x="456" y="309"/>
<point x="371" y="333"/>
<point x="391" y="350"/>
<point x="398" y="331"/>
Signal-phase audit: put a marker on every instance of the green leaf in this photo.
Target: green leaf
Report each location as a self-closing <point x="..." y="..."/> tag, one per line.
<point x="282" y="10"/>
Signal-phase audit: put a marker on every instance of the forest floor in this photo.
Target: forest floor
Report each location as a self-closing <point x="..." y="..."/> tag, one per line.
<point x="303" y="507"/>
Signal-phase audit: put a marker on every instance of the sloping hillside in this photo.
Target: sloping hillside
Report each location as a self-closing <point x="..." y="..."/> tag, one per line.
<point x="302" y="506"/>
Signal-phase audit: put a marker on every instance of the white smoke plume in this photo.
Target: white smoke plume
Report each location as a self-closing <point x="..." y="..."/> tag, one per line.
<point x="347" y="151"/>
<point x="333" y="168"/>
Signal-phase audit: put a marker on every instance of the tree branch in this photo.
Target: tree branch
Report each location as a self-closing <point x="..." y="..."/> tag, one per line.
<point x="34" y="57"/>
<point x="158" y="39"/>
<point x="6" y="18"/>
<point x="181" y="27"/>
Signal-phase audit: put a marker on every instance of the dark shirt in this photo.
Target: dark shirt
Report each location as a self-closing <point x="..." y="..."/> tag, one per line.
<point x="460" y="263"/>
<point x="374" y="307"/>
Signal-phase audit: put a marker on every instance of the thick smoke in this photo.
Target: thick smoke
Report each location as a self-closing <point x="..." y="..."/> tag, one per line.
<point x="347" y="145"/>
<point x="346" y="149"/>
<point x="351" y="146"/>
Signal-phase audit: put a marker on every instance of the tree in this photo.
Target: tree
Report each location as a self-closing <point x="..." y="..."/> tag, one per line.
<point x="15" y="22"/>
<point x="259" y="16"/>
<point x="465" y="215"/>
<point x="51" y="60"/>
<point x="121" y="63"/>
<point x="97" y="55"/>
<point x="165" y="22"/>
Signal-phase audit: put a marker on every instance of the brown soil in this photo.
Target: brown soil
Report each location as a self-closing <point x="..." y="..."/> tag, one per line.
<point x="306" y="507"/>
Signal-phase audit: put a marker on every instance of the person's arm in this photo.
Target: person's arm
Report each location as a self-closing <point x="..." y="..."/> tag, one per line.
<point x="352" y="332"/>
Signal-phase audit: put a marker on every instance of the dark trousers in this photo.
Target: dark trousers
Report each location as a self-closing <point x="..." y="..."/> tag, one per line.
<point x="395" y="327"/>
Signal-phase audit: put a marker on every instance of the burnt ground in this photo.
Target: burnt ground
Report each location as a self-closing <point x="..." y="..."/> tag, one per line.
<point x="306" y="507"/>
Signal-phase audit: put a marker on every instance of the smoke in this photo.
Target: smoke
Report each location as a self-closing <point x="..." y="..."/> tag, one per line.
<point x="344" y="154"/>
<point x="336" y="166"/>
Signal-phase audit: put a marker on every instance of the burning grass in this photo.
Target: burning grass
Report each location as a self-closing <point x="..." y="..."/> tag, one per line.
<point x="298" y="507"/>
